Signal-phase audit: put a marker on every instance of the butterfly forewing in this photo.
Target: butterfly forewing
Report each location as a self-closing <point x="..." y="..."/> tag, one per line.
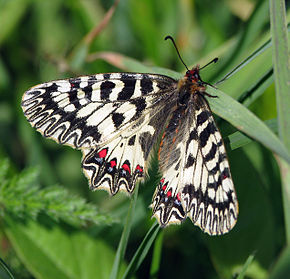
<point x="92" y="110"/>
<point x="115" y="119"/>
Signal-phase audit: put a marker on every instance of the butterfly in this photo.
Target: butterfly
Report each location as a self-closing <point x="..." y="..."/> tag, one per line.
<point x="115" y="119"/>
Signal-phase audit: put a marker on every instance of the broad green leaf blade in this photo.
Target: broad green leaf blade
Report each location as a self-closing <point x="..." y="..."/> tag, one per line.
<point x="49" y="250"/>
<point x="142" y="251"/>
<point x="257" y="89"/>
<point x="129" y="64"/>
<point x="242" y="118"/>
<point x="281" y="67"/>
<point x="282" y="85"/>
<point x="125" y="236"/>
<point x="238" y="139"/>
<point x="120" y="61"/>
<point x="246" y="61"/>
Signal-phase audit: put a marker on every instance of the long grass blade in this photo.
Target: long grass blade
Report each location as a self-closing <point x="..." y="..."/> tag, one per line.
<point x="282" y="86"/>
<point x="142" y="251"/>
<point x="125" y="236"/>
<point x="242" y="118"/>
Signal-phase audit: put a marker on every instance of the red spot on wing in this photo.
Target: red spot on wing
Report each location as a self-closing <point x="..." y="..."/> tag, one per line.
<point x="164" y="187"/>
<point x="162" y="181"/>
<point x="113" y="163"/>
<point x="169" y="194"/>
<point x="225" y="176"/>
<point x="126" y="168"/>
<point x="178" y="196"/>
<point x="103" y="153"/>
<point x="138" y="168"/>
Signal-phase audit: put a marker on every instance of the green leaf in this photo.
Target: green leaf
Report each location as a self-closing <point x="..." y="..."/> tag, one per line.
<point x="246" y="265"/>
<point x="238" y="139"/>
<point x="142" y="251"/>
<point x="282" y="85"/>
<point x="246" y="61"/>
<point x="55" y="201"/>
<point x="242" y="118"/>
<point x="125" y="236"/>
<point x="257" y="89"/>
<point x="129" y="64"/>
<point x="51" y="251"/>
<point x="281" y="67"/>
<point x="156" y="257"/>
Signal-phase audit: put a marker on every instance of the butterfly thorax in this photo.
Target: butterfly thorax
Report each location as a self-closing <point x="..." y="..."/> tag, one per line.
<point x="190" y="84"/>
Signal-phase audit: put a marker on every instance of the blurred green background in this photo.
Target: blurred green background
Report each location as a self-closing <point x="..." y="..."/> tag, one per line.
<point x="52" y="226"/>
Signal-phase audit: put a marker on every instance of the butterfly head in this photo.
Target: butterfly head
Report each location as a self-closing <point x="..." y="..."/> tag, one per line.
<point x="192" y="81"/>
<point x="193" y="74"/>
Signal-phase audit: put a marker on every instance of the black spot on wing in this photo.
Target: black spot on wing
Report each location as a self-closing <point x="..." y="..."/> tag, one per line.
<point x="211" y="154"/>
<point x="51" y="88"/>
<point x="193" y="135"/>
<point x="91" y="80"/>
<point x="106" y="76"/>
<point x="106" y="89"/>
<point x="88" y="92"/>
<point x="146" y="85"/>
<point x="75" y="83"/>
<point x="128" y="89"/>
<point x="132" y="140"/>
<point x="118" y="119"/>
<point x="202" y="117"/>
<point x="140" y="105"/>
<point x="177" y="167"/>
<point x="205" y="134"/>
<point x="226" y="173"/>
<point x="190" y="161"/>
<point x="73" y="99"/>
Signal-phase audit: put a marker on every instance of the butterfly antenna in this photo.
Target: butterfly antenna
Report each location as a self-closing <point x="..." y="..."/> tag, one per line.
<point x="212" y="61"/>
<point x="172" y="40"/>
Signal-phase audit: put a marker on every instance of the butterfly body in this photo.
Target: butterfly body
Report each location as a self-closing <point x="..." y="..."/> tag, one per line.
<point x="116" y="118"/>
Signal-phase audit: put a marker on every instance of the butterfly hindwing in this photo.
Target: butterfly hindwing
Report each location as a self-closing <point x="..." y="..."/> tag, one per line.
<point x="196" y="179"/>
<point x="117" y="165"/>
